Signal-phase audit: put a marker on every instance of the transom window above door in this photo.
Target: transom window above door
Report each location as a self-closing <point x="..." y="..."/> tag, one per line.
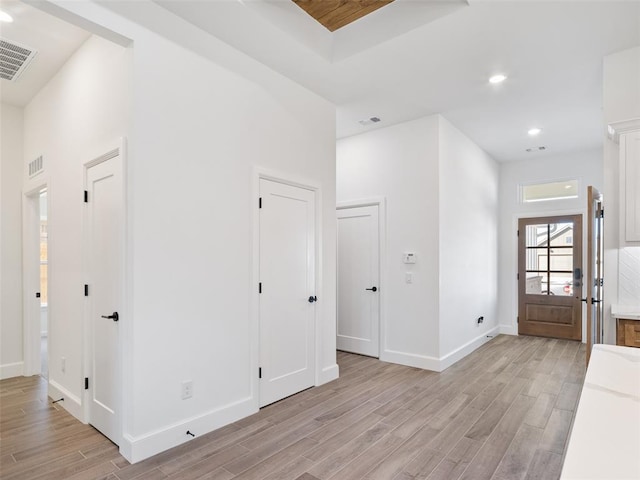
<point x="542" y="192"/>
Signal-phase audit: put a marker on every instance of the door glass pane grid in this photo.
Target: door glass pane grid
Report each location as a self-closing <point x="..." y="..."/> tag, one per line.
<point x="549" y="259"/>
<point x="561" y="234"/>
<point x="537" y="235"/>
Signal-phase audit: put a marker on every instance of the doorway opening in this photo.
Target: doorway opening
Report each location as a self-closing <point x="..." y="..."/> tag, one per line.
<point x="44" y="285"/>
<point x="550" y="277"/>
<point x="35" y="260"/>
<point x="595" y="269"/>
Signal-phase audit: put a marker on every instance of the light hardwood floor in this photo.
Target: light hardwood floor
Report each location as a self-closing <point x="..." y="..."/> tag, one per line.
<point x="503" y="412"/>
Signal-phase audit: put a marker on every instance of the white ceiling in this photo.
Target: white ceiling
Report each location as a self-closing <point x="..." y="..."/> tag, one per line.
<point x="53" y="39"/>
<point x="418" y="57"/>
<point x="406" y="60"/>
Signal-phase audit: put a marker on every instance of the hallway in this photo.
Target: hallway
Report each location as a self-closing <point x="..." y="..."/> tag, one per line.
<point x="503" y="412"/>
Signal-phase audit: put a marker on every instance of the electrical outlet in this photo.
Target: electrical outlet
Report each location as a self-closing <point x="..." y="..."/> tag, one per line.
<point x="187" y="389"/>
<point x="408" y="277"/>
<point x="63" y="364"/>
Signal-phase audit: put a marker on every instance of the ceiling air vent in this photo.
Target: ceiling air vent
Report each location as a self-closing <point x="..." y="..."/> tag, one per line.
<point x="369" y="121"/>
<point x="14" y="59"/>
<point x="35" y="166"/>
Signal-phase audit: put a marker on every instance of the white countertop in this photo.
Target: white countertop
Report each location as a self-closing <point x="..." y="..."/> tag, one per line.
<point x="629" y="312"/>
<point x="605" y="439"/>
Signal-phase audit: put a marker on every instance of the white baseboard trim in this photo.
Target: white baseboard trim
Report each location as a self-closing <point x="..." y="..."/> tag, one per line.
<point x="461" y="352"/>
<point x="410" y="360"/>
<point x="328" y="374"/>
<point x="71" y="402"/>
<point x="144" y="446"/>
<point x="442" y="363"/>
<point x="508" y="330"/>
<point x="10" y="370"/>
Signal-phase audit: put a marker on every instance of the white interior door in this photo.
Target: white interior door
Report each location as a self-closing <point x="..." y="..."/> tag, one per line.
<point x="359" y="280"/>
<point x="287" y="283"/>
<point x="104" y="274"/>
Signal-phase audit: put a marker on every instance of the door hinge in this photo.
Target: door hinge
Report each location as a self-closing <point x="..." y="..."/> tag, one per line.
<point x="518" y="276"/>
<point x="602" y="212"/>
<point x="86" y="290"/>
<point x="517" y="319"/>
<point x="260" y="287"/>
<point x="260" y="202"/>
<point x="518" y="233"/>
<point x="86" y="383"/>
<point x="86" y="196"/>
<point x="260" y="372"/>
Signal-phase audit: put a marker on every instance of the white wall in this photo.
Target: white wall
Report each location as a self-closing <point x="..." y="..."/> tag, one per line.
<point x="441" y="192"/>
<point x="400" y="163"/>
<point x="621" y="85"/>
<point x="81" y="109"/>
<point x="11" y="345"/>
<point x="468" y="205"/>
<point x="586" y="166"/>
<point x="197" y="134"/>
<point x="193" y="160"/>
<point x="621" y="101"/>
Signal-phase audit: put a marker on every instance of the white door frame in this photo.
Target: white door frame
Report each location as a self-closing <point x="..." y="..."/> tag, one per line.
<point x="106" y="153"/>
<point x="31" y="274"/>
<point x="260" y="173"/>
<point x="381" y="203"/>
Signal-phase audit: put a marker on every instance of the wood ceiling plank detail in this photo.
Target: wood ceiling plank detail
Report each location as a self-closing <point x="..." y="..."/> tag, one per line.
<point x="334" y="14"/>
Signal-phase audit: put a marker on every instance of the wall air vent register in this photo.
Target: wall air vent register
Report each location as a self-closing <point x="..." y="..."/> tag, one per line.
<point x="36" y="166"/>
<point x="14" y="59"/>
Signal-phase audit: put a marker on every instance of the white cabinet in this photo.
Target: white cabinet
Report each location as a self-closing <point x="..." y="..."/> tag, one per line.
<point x="627" y="135"/>
<point x="630" y="186"/>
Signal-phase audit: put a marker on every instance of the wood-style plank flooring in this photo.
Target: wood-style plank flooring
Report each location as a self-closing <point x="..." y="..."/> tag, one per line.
<point x="503" y="412"/>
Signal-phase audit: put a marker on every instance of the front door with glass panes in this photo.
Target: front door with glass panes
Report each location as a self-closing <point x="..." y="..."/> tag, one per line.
<point x="550" y="277"/>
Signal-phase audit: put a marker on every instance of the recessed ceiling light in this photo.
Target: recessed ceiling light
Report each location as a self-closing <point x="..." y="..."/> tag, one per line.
<point x="498" y="78"/>
<point x="534" y="131"/>
<point x="5" y="17"/>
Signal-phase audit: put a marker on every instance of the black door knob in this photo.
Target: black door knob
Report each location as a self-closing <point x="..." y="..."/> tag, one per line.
<point x="373" y="289"/>
<point x="114" y="316"/>
<point x="313" y="298"/>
